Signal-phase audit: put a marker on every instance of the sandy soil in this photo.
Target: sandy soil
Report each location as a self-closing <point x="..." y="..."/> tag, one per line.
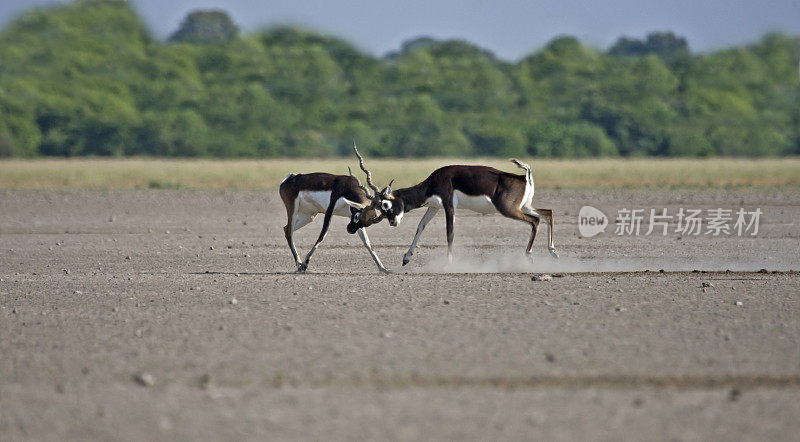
<point x="118" y="321"/>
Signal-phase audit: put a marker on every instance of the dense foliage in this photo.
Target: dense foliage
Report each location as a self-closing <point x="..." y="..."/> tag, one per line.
<point x="88" y="78"/>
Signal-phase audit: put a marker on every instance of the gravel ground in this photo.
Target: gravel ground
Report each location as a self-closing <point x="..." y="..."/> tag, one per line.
<point x="164" y="315"/>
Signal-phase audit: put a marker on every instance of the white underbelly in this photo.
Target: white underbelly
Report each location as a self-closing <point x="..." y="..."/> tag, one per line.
<point x="479" y="203"/>
<point x="316" y="201"/>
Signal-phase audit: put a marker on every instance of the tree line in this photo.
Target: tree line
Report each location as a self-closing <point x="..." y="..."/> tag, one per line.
<point x="88" y="78"/>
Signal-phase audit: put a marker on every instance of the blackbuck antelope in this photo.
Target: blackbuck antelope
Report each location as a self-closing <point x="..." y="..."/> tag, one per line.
<point x="309" y="194"/>
<point x="481" y="189"/>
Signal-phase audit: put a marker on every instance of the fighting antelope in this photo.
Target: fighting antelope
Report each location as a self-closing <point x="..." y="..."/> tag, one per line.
<point x="306" y="195"/>
<point x="481" y="189"/>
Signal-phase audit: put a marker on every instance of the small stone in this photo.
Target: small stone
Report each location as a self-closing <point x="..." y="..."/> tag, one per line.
<point x="211" y="248"/>
<point x="558" y="275"/>
<point x="144" y="379"/>
<point x="66" y="272"/>
<point x="114" y="309"/>
<point x="128" y="257"/>
<point x="739" y="303"/>
<point x="205" y="381"/>
<point x="619" y="308"/>
<point x="233" y="301"/>
<point x="246" y="255"/>
<point x="660" y="270"/>
<point x="446" y="302"/>
<point x="541" y="278"/>
<point x="14" y="311"/>
<point x="705" y="291"/>
<point x="707" y="284"/>
<point x="549" y="357"/>
<point x="763" y="271"/>
<point x="77" y="292"/>
<point x="734" y="394"/>
<point x="138" y="333"/>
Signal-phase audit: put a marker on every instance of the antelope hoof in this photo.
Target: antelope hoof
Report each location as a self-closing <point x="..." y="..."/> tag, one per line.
<point x="385" y="271"/>
<point x="553" y="253"/>
<point x="406" y="259"/>
<point x="302" y="268"/>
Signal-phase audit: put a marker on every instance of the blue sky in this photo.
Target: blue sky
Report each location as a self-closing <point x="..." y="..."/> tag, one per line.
<point x="509" y="28"/>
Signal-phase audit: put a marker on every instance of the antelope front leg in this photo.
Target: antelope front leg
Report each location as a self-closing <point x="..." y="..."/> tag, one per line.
<point x="429" y="214"/>
<point x="326" y="222"/>
<point x="449" y="213"/>
<point x="362" y="233"/>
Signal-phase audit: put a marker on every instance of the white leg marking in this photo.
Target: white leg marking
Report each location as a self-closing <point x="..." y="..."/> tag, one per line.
<point x="365" y="239"/>
<point x="294" y="251"/>
<point x="298" y="222"/>
<point x="429" y="214"/>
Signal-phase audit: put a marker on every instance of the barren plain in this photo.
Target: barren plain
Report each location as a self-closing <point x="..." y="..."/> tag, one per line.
<point x="175" y="315"/>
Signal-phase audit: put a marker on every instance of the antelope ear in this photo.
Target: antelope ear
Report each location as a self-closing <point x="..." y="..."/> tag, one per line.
<point x="387" y="191"/>
<point x="354" y="204"/>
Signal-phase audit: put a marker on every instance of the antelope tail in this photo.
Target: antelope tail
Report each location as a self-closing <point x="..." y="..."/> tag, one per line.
<point x="287" y="177"/>
<point x="528" y="197"/>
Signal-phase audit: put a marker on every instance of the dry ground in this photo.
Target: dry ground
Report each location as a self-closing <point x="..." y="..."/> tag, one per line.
<point x="97" y="288"/>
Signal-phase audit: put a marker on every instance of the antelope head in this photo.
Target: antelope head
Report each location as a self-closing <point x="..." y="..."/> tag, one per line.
<point x="365" y="215"/>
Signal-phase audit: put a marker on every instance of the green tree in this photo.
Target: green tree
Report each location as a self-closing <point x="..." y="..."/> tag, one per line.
<point x="87" y="78"/>
<point x="205" y="27"/>
<point x="666" y="45"/>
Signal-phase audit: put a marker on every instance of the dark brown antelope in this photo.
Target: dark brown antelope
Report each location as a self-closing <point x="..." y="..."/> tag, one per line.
<point x="309" y="194"/>
<point x="481" y="189"/>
